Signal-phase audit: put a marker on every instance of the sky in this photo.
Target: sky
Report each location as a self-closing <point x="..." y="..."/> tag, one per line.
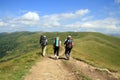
<point x="60" y="15"/>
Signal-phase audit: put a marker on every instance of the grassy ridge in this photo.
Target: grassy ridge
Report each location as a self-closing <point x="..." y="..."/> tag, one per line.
<point x="20" y="50"/>
<point x="18" y="43"/>
<point x="98" y="49"/>
<point x="16" y="68"/>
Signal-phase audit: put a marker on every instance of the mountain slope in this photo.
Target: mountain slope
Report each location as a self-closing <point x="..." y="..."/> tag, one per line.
<point x="100" y="50"/>
<point x="12" y="44"/>
<point x="20" y="50"/>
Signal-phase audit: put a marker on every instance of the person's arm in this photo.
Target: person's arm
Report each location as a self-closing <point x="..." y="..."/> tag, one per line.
<point x="46" y="41"/>
<point x="72" y="44"/>
<point x="40" y="39"/>
<point x="65" y="41"/>
<point x="54" y="44"/>
<point x="60" y="43"/>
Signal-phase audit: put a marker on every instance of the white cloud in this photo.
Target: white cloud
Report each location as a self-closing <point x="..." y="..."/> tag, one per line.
<point x="33" y="16"/>
<point x="82" y="12"/>
<point x="24" y="22"/>
<point x="73" y="21"/>
<point x="28" y="19"/>
<point x="55" y="20"/>
<point x="78" y="13"/>
<point x="1" y="23"/>
<point x="49" y="24"/>
<point x="107" y="25"/>
<point x="64" y="16"/>
<point x="87" y="18"/>
<point x="117" y="1"/>
<point x="53" y="17"/>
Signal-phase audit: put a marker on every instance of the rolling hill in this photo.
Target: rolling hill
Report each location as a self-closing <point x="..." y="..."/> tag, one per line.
<point x="98" y="49"/>
<point x="20" y="50"/>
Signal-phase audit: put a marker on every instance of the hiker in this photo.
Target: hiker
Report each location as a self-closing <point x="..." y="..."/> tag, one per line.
<point x="56" y="47"/>
<point x="44" y="43"/>
<point x="68" y="46"/>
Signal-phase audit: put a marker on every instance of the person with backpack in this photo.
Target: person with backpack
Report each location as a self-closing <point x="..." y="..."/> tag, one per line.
<point x="44" y="43"/>
<point x="56" y="47"/>
<point x="68" y="46"/>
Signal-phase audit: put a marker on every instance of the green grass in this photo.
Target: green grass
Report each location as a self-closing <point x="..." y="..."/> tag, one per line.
<point x="16" y="68"/>
<point x="20" y="50"/>
<point x="99" y="50"/>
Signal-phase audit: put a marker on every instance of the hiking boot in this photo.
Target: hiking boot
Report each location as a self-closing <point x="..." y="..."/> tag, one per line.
<point x="67" y="58"/>
<point x="57" y="57"/>
<point x="43" y="55"/>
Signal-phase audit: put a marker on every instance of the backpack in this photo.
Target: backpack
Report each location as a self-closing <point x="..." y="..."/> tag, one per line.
<point x="43" y="41"/>
<point x="57" y="42"/>
<point x="41" y="38"/>
<point x="69" y="43"/>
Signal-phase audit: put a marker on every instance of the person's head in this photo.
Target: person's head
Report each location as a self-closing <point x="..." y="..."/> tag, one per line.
<point x="41" y="36"/>
<point x="58" y="37"/>
<point x="69" y="37"/>
<point x="44" y="36"/>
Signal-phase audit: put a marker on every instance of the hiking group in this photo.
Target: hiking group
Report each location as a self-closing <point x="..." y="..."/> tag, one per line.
<point x="57" y="45"/>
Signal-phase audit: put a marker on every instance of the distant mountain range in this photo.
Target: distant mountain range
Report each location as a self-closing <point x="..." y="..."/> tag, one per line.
<point x="118" y="35"/>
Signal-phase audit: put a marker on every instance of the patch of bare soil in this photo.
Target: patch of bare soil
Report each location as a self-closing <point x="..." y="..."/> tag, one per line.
<point x="49" y="69"/>
<point x="61" y="69"/>
<point x="93" y="73"/>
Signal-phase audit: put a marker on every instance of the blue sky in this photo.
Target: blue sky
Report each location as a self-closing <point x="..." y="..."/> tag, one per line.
<point x="60" y="15"/>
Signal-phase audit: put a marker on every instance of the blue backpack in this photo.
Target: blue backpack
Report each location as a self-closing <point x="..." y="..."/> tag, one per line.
<point x="57" y="41"/>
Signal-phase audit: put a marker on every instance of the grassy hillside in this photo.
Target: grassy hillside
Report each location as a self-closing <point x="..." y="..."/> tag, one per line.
<point x="95" y="48"/>
<point x="98" y="49"/>
<point x="20" y="50"/>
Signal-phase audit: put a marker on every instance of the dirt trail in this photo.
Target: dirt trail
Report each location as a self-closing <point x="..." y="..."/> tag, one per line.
<point x="91" y="72"/>
<point x="51" y="69"/>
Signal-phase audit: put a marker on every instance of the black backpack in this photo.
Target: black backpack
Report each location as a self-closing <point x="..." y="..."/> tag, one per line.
<point x="43" y="40"/>
<point x="69" y="43"/>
